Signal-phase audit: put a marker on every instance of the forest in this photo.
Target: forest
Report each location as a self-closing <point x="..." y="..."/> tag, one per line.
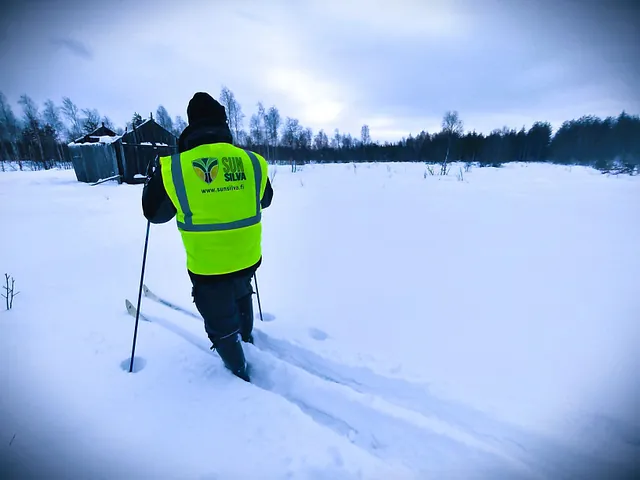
<point x="39" y="135"/>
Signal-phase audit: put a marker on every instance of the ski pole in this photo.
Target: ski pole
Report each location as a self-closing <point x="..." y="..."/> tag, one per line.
<point x="135" y="331"/>
<point x="151" y="166"/>
<point x="255" y="279"/>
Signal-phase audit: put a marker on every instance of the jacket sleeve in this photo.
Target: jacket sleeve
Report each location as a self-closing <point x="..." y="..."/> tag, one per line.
<point x="156" y="204"/>
<point x="267" y="196"/>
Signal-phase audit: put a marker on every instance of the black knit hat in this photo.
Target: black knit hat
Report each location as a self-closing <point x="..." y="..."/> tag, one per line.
<point x="204" y="107"/>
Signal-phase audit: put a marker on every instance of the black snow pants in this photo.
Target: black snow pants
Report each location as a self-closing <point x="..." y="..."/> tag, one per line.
<point x="227" y="309"/>
<point x="226" y="306"/>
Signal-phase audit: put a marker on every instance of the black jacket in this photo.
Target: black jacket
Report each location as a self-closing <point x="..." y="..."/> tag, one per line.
<point x="156" y="204"/>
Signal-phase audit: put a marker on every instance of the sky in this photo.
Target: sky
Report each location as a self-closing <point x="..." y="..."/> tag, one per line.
<point x="395" y="66"/>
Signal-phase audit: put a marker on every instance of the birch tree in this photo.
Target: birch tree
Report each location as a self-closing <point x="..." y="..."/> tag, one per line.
<point x="71" y="113"/>
<point x="234" y="112"/>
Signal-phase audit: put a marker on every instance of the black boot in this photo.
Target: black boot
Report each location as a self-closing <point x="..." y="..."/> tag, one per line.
<point x="231" y="353"/>
<point x="245" y="307"/>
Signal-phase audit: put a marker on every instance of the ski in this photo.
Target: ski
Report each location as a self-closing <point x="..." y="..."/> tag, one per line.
<point x="102" y="180"/>
<point x="131" y="310"/>
<point x="152" y="296"/>
<point x="195" y="340"/>
<point x="163" y="301"/>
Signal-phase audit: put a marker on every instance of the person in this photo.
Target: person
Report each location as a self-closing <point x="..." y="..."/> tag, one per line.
<point x="216" y="191"/>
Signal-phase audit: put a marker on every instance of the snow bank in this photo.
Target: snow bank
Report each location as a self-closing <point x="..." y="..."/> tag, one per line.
<point x="424" y="327"/>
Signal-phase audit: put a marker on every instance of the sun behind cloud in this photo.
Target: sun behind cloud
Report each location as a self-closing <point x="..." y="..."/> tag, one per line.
<point x="316" y="101"/>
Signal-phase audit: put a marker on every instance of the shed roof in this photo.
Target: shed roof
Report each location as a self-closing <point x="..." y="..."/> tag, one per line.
<point x="101" y="134"/>
<point x="150" y="120"/>
<point x="95" y="140"/>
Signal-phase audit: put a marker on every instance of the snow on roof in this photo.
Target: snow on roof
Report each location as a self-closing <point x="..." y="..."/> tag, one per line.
<point x="103" y="140"/>
<point x="108" y="138"/>
<point x="140" y="124"/>
<point x="131" y="129"/>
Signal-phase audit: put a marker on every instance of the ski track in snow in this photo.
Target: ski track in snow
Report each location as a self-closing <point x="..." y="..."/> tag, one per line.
<point x="516" y="444"/>
<point x="375" y="411"/>
<point x="367" y="420"/>
<point x="378" y="427"/>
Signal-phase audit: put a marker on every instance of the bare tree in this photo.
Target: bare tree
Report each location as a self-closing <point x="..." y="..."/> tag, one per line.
<point x="452" y="124"/>
<point x="262" y="116"/>
<point x="31" y="116"/>
<point x="9" y="289"/>
<point x="179" y="125"/>
<point x="108" y="123"/>
<point x="337" y="139"/>
<point x="234" y="111"/>
<point x="9" y="129"/>
<point x="242" y="139"/>
<point x="29" y="110"/>
<point x="291" y="133"/>
<point x="306" y="138"/>
<point x="51" y="117"/>
<point x="71" y="112"/>
<point x="365" y="136"/>
<point x="163" y="118"/>
<point x="272" y="123"/>
<point x="347" y="141"/>
<point x="452" y="127"/>
<point x="255" y="129"/>
<point x="320" y="140"/>
<point x="91" y="120"/>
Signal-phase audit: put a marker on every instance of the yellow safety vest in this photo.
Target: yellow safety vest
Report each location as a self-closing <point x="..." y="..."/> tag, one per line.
<point x="216" y="189"/>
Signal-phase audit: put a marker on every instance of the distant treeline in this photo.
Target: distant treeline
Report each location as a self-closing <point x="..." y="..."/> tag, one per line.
<point x="40" y="135"/>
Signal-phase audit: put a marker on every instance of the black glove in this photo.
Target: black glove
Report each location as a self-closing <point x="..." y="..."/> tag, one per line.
<point x="152" y="167"/>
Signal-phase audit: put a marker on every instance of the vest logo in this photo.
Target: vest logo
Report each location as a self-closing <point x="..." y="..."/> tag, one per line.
<point x="233" y="169"/>
<point x="206" y="169"/>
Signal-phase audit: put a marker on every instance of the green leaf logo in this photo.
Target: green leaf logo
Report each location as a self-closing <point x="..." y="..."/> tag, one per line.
<point x="206" y="169"/>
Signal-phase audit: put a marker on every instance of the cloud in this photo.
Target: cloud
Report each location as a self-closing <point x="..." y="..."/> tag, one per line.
<point x="330" y="64"/>
<point x="315" y="100"/>
<point x="76" y="47"/>
<point x="416" y="62"/>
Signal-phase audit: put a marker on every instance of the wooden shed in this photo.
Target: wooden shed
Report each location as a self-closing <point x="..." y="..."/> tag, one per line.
<point x="103" y="154"/>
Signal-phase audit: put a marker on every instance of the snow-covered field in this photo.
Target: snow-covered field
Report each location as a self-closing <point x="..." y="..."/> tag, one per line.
<point x="424" y="328"/>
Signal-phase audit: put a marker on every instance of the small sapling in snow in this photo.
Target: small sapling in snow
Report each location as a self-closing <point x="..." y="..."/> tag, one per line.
<point x="9" y="289"/>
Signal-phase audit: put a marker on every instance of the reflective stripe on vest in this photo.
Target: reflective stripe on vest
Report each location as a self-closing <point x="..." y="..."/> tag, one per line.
<point x="181" y="192"/>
